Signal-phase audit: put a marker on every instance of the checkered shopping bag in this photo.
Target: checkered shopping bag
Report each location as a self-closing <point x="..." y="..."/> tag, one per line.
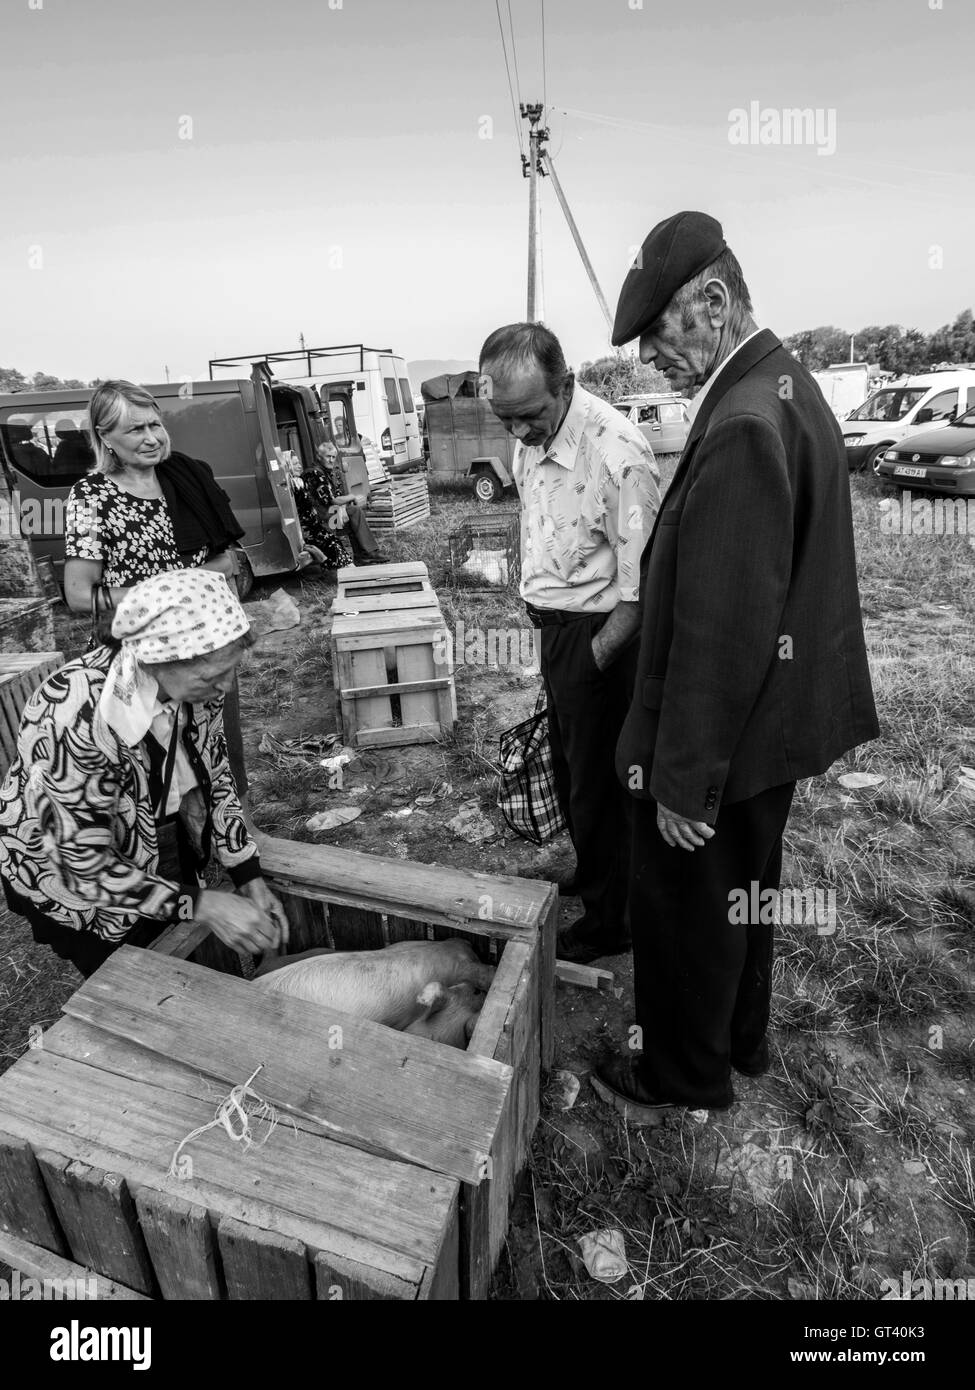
<point x="526" y="790"/>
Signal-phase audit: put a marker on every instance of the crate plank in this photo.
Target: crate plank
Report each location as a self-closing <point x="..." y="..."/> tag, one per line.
<point x="260" y="1265"/>
<point x="25" y="1207"/>
<point x="366" y="668"/>
<point x="37" y="1263"/>
<point x="295" y="1184"/>
<point x="99" y="1220"/>
<point x="404" y="1094"/>
<point x="181" y="1245"/>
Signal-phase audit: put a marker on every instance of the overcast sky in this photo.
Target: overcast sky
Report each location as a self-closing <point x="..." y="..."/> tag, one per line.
<point x="336" y="182"/>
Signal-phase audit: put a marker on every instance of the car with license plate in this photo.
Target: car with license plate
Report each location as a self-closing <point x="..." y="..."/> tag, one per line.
<point x="939" y="460"/>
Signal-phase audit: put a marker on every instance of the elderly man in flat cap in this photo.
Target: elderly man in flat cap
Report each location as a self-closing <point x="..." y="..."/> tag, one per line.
<point x="588" y="486"/>
<point x="752" y="669"/>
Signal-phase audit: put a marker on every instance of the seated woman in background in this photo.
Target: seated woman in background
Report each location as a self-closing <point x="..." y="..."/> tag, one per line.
<point x="144" y="510"/>
<point x="121" y="784"/>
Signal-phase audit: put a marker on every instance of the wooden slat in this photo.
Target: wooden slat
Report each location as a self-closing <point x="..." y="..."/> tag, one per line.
<point x="419" y="704"/>
<point x="492" y="904"/>
<point x="353" y="929"/>
<point x="378" y="574"/>
<point x="98" y="1217"/>
<point x="259" y="1265"/>
<point x="25" y="1207"/>
<point x="180" y="940"/>
<point x="181" y="1245"/>
<point x="378" y="1221"/>
<point x="398" y="736"/>
<point x="367" y="668"/>
<point x="405" y="687"/>
<point x="489" y="1029"/>
<point x="586" y="976"/>
<point x="37" y="1263"/>
<point x="406" y="929"/>
<point x="405" y="1095"/>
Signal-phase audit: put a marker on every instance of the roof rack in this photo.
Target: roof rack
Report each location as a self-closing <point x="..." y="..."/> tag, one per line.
<point x="295" y="355"/>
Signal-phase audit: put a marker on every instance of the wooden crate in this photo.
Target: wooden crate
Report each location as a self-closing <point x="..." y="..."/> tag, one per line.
<point x="394" y="675"/>
<point x="20" y="675"/>
<point x="383" y="589"/>
<point x="393" y="1169"/>
<point x="398" y="504"/>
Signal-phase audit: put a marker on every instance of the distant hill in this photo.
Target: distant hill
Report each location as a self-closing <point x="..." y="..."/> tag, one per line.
<point x="427" y="367"/>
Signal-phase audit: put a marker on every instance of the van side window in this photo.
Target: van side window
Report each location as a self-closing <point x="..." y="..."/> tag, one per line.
<point x="407" y="394"/>
<point x="51" y="448"/>
<point x="646" y="415"/>
<point x="672" y="413"/>
<point x="392" y="396"/>
<point x="944" y="406"/>
<point x="341" y="430"/>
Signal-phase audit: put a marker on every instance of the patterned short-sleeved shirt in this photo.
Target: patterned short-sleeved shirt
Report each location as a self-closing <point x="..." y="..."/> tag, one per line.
<point x="132" y="536"/>
<point x="588" y="505"/>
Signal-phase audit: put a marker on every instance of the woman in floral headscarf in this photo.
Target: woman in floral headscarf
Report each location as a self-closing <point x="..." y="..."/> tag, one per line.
<point x="121" y="785"/>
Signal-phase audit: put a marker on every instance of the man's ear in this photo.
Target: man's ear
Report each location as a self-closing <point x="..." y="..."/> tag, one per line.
<point x="568" y="386"/>
<point x="718" y="301"/>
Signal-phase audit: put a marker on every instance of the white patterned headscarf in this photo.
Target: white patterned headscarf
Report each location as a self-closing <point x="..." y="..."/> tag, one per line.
<point x="170" y="617"/>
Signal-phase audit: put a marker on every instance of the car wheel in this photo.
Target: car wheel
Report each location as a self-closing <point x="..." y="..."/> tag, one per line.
<point x="874" y="458"/>
<point x="487" y="488"/>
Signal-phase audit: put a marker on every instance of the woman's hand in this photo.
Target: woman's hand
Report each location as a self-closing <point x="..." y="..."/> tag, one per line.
<point x="242" y="926"/>
<point x="262" y="898"/>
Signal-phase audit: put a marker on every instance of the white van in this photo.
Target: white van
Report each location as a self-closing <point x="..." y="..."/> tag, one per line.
<point x="902" y="407"/>
<point x="382" y="395"/>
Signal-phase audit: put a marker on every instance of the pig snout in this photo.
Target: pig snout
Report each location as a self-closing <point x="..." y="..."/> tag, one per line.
<point x="452" y="1018"/>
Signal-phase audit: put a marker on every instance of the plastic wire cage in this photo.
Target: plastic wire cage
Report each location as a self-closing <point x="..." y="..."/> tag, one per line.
<point x="485" y="551"/>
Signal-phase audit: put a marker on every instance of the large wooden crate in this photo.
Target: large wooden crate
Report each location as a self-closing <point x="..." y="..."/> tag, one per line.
<point x="384" y="588"/>
<point x="391" y="1173"/>
<point x="20" y="675"/>
<point x="27" y="624"/>
<point x="394" y="675"/>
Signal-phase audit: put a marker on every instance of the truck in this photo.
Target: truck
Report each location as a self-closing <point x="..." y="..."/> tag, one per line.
<point x="377" y="378"/>
<point x="846" y="385"/>
<point x="244" y="428"/>
<point x="466" y="439"/>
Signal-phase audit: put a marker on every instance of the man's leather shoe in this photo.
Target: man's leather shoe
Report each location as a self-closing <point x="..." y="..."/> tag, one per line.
<point x="583" y="950"/>
<point x="618" y="1082"/>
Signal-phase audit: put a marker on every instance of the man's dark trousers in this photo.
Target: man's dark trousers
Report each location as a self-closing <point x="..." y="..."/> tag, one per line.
<point x="586" y="709"/>
<point x="703" y="983"/>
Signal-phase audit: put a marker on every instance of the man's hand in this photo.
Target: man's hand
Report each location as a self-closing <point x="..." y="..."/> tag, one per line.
<point x="262" y="898"/>
<point x="241" y="925"/>
<point x="681" y="833"/>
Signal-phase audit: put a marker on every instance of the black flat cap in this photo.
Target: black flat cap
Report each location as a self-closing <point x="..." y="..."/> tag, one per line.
<point x="672" y="254"/>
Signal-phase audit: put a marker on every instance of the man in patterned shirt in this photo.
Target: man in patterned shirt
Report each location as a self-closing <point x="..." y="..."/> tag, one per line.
<point x="587" y="481"/>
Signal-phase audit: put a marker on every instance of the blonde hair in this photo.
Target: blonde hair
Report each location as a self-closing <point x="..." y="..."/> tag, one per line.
<point x="107" y="404"/>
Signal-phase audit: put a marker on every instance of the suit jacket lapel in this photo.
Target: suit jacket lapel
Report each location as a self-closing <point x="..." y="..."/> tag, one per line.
<point x="754" y="350"/>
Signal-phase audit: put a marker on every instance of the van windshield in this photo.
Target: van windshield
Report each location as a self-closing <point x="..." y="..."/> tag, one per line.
<point x="892" y="404"/>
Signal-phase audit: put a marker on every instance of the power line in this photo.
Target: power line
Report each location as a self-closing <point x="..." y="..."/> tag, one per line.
<point x="544" y="67"/>
<point x="514" y="52"/>
<point x="511" y="90"/>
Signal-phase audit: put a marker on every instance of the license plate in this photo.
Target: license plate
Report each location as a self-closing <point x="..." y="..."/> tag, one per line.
<point x="902" y="471"/>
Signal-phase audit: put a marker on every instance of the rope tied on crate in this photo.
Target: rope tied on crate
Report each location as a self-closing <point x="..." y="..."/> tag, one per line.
<point x="241" y="1106"/>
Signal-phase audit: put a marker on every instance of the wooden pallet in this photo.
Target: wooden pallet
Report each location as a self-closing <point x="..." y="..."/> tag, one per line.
<point x="394" y="675"/>
<point x="392" y="1170"/>
<point x="398" y="504"/>
<point x="20" y="675"/>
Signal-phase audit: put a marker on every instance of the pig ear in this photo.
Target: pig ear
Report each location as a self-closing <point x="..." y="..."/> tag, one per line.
<point x="469" y="1025"/>
<point x="432" y="998"/>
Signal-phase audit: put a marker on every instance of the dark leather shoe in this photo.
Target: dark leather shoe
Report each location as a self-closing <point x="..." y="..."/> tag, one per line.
<point x="583" y="950"/>
<point x="618" y="1083"/>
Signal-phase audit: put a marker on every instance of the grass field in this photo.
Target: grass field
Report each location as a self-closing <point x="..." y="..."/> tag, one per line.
<point x="851" y="1161"/>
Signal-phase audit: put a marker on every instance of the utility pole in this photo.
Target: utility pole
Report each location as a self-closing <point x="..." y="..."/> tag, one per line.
<point x="301" y="341"/>
<point x="549" y="168"/>
<point x="166" y="370"/>
<point x="531" y="167"/>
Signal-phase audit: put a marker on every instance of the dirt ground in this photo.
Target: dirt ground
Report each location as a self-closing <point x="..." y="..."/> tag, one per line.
<point x="851" y="1161"/>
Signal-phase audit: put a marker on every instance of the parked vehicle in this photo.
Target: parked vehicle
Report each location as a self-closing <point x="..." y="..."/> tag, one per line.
<point x="466" y="438"/>
<point x="661" y="418"/>
<point x="937" y="460"/>
<point x="377" y="378"/>
<point x="846" y="385"/>
<point x="243" y="428"/>
<point x="900" y="408"/>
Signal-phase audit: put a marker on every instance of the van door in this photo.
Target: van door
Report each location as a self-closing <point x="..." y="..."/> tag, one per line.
<point x="414" y="435"/>
<point x="46" y="450"/>
<point x="352" y="459"/>
<point x="397" y="415"/>
<point x="283" y="547"/>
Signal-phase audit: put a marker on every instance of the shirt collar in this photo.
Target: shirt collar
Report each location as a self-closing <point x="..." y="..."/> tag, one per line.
<point x="564" y="448"/>
<point x="698" y="400"/>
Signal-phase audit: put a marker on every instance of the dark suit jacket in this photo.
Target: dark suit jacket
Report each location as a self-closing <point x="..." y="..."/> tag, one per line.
<point x="752" y="668"/>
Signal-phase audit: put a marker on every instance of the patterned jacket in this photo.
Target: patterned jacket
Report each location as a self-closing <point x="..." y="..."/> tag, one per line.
<point x="77" y="832"/>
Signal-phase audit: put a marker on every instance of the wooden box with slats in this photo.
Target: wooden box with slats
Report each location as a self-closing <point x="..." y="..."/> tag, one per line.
<point x="20" y="675"/>
<point x="391" y="1170"/>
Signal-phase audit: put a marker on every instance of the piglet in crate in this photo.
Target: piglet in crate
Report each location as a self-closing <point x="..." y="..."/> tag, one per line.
<point x="430" y="987"/>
